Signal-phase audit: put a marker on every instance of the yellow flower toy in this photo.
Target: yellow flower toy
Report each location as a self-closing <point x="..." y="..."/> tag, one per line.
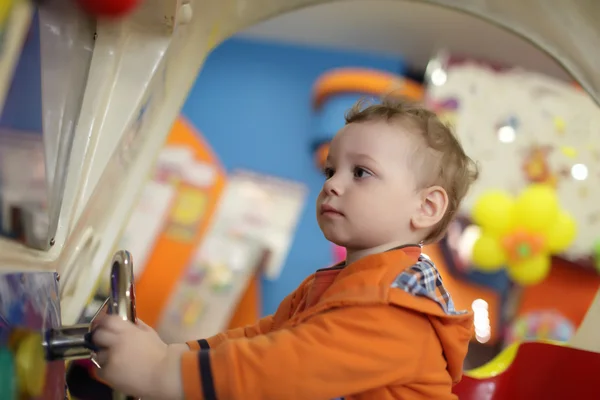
<point x="521" y="234"/>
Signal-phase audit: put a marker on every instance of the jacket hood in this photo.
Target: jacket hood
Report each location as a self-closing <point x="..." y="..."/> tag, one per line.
<point x="454" y="333"/>
<point x="424" y="292"/>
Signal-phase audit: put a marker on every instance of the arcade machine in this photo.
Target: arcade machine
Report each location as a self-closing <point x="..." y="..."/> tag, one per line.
<point x="112" y="77"/>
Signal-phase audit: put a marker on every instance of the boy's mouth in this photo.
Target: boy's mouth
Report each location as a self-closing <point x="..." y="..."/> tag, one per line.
<point x="326" y="209"/>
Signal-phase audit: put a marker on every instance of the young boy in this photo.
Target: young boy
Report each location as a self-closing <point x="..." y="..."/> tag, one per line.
<point x="379" y="326"/>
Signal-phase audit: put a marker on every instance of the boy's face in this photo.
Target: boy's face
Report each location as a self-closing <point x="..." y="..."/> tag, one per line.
<point x="370" y="196"/>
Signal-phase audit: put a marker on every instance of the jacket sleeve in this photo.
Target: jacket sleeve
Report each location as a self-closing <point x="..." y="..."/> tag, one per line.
<point x="261" y="327"/>
<point x="336" y="353"/>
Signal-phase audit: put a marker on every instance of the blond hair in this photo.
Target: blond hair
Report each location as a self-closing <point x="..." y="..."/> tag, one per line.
<point x="444" y="159"/>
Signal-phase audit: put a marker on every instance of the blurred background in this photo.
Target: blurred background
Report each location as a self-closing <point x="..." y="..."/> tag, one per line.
<point x="225" y="226"/>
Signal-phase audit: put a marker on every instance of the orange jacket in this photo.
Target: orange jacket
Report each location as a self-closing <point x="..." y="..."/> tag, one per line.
<point x="381" y="328"/>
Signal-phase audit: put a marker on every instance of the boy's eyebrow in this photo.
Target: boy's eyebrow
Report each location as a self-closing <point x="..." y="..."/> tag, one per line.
<point x="362" y="156"/>
<point x="357" y="157"/>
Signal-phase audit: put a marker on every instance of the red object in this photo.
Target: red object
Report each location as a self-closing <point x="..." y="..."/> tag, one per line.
<point x="339" y="254"/>
<point x="108" y="8"/>
<point x="539" y="371"/>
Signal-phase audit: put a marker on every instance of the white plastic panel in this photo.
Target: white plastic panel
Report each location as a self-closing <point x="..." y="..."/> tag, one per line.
<point x="66" y="46"/>
<point x="39" y="118"/>
<point x="125" y="93"/>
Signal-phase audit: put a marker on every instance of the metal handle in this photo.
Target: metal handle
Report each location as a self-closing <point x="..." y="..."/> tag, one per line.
<point x="67" y="343"/>
<point x="122" y="290"/>
<point x="122" y="295"/>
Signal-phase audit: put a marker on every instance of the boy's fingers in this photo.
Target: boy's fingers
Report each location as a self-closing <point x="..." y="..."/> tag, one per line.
<point x="142" y="325"/>
<point x="103" y="338"/>
<point x="112" y="323"/>
<point x="101" y="358"/>
<point x="103" y="313"/>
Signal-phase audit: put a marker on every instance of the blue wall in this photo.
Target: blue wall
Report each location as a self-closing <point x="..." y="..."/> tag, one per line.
<point x="252" y="102"/>
<point x="23" y="107"/>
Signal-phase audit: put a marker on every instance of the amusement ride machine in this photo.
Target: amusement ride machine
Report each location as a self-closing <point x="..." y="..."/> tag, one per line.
<point x="114" y="75"/>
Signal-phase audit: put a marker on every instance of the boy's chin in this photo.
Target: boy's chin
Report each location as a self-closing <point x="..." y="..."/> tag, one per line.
<point x="335" y="238"/>
<point x="338" y="239"/>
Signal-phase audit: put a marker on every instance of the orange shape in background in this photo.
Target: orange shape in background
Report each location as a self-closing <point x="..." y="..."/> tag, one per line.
<point x="321" y="154"/>
<point x="366" y="81"/>
<point x="170" y="256"/>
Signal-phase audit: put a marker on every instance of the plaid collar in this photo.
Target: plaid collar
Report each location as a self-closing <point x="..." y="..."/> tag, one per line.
<point x="423" y="279"/>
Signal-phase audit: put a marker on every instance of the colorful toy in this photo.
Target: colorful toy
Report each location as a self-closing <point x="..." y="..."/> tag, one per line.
<point x="521" y="233"/>
<point x="541" y="325"/>
<point x="8" y="381"/>
<point x="108" y="8"/>
<point x="536" y="166"/>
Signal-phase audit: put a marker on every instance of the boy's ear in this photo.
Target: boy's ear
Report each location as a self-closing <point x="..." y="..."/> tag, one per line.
<point x="434" y="203"/>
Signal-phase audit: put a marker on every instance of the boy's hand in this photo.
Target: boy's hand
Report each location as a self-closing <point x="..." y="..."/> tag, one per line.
<point x="134" y="359"/>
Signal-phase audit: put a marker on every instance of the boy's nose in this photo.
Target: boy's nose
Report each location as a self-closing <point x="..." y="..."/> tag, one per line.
<point x="333" y="187"/>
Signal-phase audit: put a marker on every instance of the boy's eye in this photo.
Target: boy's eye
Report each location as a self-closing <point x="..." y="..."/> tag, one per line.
<point x="361" y="173"/>
<point x="328" y="172"/>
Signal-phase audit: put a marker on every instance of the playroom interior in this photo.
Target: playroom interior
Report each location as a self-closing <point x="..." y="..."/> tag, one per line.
<point x="174" y="150"/>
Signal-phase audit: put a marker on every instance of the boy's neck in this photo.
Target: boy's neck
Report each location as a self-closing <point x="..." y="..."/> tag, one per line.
<point x="353" y="255"/>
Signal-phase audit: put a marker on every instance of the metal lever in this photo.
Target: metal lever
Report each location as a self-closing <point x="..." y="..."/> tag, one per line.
<point x="122" y="291"/>
<point x="122" y="295"/>
<point x="74" y="342"/>
<point x="71" y="342"/>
